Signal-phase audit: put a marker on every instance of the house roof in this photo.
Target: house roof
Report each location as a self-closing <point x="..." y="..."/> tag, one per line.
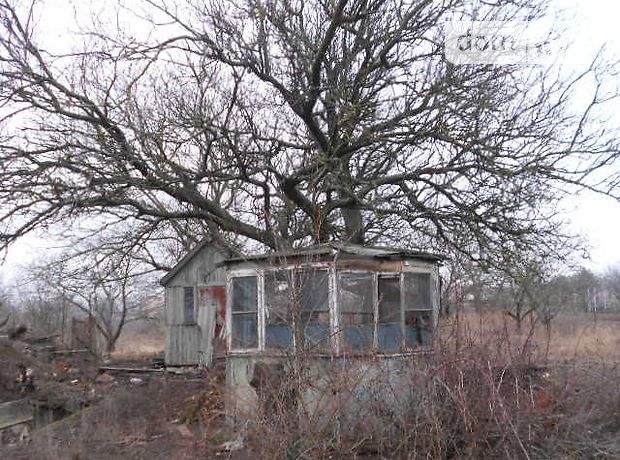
<point x="333" y="249"/>
<point x="326" y="249"/>
<point x="186" y="259"/>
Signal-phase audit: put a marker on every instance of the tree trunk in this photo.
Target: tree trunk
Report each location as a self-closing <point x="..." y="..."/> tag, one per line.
<point x="353" y="225"/>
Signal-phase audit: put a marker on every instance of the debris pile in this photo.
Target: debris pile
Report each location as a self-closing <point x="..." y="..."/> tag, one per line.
<point x="40" y="384"/>
<point x="203" y="409"/>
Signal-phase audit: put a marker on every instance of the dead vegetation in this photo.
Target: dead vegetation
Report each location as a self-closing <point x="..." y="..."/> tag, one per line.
<point x="57" y="376"/>
<point x="139" y="340"/>
<point x="129" y="422"/>
<point x="491" y="394"/>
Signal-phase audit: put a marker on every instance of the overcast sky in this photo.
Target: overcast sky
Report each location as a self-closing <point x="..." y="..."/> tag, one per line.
<point x="595" y="216"/>
<point x="593" y="23"/>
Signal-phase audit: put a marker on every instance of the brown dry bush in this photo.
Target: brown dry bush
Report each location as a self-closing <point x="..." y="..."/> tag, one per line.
<point x="489" y="398"/>
<point x="206" y="409"/>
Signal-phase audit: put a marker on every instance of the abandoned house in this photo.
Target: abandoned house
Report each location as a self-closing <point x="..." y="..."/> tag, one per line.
<point x="195" y="292"/>
<point x="331" y="301"/>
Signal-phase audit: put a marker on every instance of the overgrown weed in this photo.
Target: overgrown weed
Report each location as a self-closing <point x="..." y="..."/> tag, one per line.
<point x="492" y="395"/>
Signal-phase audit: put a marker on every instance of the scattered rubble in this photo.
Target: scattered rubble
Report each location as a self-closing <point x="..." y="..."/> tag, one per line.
<point x="25" y="379"/>
<point x="131" y="370"/>
<point x="15" y="421"/>
<point x="39" y="384"/>
<point x="234" y="445"/>
<point x="105" y="378"/>
<point x="205" y="408"/>
<point x="184" y="431"/>
<point x="49" y="396"/>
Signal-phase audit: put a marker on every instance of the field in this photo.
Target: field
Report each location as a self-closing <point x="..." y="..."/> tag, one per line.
<point x="578" y="337"/>
<point x="488" y="392"/>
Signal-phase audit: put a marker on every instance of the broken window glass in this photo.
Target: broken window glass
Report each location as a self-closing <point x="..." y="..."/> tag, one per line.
<point x="389" y="322"/>
<point x="418" y="328"/>
<point x="188" y="305"/>
<point x="355" y="294"/>
<point x="244" y="303"/>
<point x="278" y="318"/>
<point x="417" y="291"/>
<point x="418" y="309"/>
<point x="313" y="305"/>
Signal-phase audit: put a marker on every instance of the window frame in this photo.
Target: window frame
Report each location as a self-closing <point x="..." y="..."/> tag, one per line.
<point x="293" y="272"/>
<point x="230" y="314"/>
<point x="336" y="342"/>
<point x="401" y="275"/>
<point x="259" y="273"/>
<point x="194" y="318"/>
<point x="401" y="319"/>
<point x="297" y="271"/>
<point x="375" y="309"/>
<point x="432" y="310"/>
<point x="289" y="274"/>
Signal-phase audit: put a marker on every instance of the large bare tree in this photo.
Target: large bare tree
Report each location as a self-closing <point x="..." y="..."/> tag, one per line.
<point x="292" y="122"/>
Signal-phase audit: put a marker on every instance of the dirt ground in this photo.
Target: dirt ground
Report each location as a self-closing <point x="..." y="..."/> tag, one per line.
<point x="162" y="417"/>
<point x="150" y="415"/>
<point x="131" y="421"/>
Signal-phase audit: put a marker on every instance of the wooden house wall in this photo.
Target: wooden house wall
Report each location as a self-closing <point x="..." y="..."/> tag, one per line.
<point x="182" y="342"/>
<point x="186" y="344"/>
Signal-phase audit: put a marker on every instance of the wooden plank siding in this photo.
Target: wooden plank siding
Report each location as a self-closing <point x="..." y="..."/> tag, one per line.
<point x="191" y="344"/>
<point x="182" y="343"/>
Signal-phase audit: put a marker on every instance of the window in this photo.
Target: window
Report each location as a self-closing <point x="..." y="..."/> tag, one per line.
<point x="189" y="311"/>
<point x="405" y="311"/>
<point x="312" y="308"/>
<point x="417" y="291"/>
<point x="278" y="319"/>
<point x="244" y="311"/>
<point x="355" y="297"/>
<point x="297" y="308"/>
<point x="418" y="309"/>
<point x="389" y="322"/>
<point x="387" y="312"/>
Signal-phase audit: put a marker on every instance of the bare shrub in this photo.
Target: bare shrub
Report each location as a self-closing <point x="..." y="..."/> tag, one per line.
<point x="206" y="409"/>
<point x="488" y="399"/>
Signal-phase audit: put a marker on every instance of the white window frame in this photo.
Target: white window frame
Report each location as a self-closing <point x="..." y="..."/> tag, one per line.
<point x="229" y="314"/>
<point x="261" y="323"/>
<point x="434" y="310"/>
<point x="334" y="308"/>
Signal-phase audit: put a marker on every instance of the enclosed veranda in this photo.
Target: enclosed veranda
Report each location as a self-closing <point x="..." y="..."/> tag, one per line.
<point x="334" y="303"/>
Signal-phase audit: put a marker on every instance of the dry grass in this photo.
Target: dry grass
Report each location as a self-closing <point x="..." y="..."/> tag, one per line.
<point x="570" y="338"/>
<point x="585" y="337"/>
<point x="139" y="344"/>
<point x="489" y="392"/>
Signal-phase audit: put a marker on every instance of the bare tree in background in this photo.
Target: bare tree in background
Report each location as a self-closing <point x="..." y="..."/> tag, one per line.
<point x="611" y="281"/>
<point x="5" y="313"/>
<point x="280" y="123"/>
<point x="44" y="311"/>
<point x="108" y="292"/>
<point x="523" y="289"/>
